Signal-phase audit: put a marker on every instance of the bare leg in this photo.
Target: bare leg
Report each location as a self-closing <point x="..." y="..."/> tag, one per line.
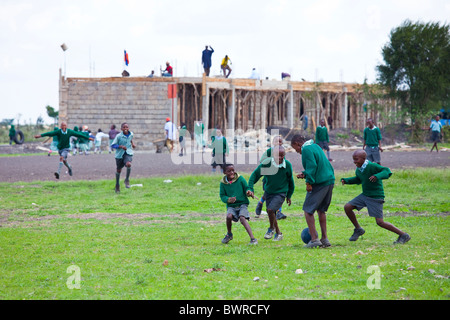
<point x="323" y="224"/>
<point x="311" y="222"/>
<point x="388" y="226"/>
<point x="351" y="215"/>
<point x="273" y="221"/>
<point x="246" y="226"/>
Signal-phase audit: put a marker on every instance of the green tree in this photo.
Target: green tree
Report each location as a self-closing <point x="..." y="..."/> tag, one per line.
<point x="52" y="113"/>
<point x="416" y="67"/>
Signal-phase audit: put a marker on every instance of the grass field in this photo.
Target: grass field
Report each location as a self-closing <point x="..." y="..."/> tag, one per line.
<point x="79" y="240"/>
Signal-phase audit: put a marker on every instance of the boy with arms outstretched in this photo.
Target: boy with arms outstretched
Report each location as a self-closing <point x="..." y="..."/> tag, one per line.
<point x="124" y="145"/>
<point x="232" y="192"/>
<point x="370" y="176"/>
<point x="279" y="186"/>
<point x="63" y="135"/>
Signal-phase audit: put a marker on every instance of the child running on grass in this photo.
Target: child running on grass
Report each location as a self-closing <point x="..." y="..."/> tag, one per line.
<point x="265" y="158"/>
<point x="124" y="145"/>
<point x="319" y="176"/>
<point x="370" y="176"/>
<point x="279" y="186"/>
<point x="232" y="192"/>
<point x="63" y="135"/>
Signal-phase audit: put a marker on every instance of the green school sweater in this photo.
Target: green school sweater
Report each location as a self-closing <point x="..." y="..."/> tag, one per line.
<point x="370" y="189"/>
<point x="322" y="134"/>
<point x="372" y="136"/>
<point x="63" y="138"/>
<point x="237" y="188"/>
<point x="317" y="168"/>
<point x="276" y="181"/>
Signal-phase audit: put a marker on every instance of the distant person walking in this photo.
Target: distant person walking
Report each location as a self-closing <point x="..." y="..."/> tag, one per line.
<point x="436" y="128"/>
<point x="206" y="59"/>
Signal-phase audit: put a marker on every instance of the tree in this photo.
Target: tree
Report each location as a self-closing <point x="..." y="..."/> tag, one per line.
<point x="417" y="67"/>
<point x="52" y="113"/>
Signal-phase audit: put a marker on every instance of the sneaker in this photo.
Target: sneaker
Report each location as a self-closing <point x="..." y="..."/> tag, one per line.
<point x="313" y="244"/>
<point x="280" y="216"/>
<point x="70" y="171"/>
<point x="356" y="234"/>
<point x="269" y="234"/>
<point x="127" y="183"/>
<point x="228" y="238"/>
<point x="404" y="238"/>
<point x="253" y="241"/>
<point x="56" y="175"/>
<point x="325" y="243"/>
<point x="278" y="237"/>
<point x="258" y="208"/>
<point x="117" y="188"/>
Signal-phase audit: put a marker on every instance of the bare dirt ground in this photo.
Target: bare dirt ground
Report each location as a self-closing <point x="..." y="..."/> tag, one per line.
<point x="145" y="164"/>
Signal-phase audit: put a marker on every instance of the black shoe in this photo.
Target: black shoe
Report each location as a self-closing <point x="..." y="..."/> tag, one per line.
<point x="356" y="234"/>
<point x="404" y="238"/>
<point x="56" y="175"/>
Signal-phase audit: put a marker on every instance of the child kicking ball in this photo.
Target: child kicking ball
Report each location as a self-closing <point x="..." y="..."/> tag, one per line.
<point x="370" y="176"/>
<point x="63" y="137"/>
<point x="232" y="192"/>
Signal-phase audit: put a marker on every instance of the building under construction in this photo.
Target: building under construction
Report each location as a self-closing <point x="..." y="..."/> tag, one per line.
<point x="239" y="105"/>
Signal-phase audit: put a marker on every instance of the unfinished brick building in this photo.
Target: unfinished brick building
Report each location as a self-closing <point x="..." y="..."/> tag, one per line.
<point x="229" y="104"/>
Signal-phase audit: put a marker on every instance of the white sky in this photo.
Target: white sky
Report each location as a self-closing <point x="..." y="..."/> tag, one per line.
<point x="324" y="40"/>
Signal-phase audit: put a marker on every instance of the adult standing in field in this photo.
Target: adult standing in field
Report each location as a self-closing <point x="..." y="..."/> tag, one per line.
<point x="372" y="142"/>
<point x="206" y="59"/>
<point x="63" y="136"/>
<point x="225" y="66"/>
<point x="319" y="176"/>
<point x="436" y="128"/>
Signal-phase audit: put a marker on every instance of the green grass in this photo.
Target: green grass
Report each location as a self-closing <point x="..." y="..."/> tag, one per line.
<point x="120" y="243"/>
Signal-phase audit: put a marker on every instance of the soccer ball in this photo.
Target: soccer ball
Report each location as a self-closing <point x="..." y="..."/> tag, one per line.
<point x="306" y="236"/>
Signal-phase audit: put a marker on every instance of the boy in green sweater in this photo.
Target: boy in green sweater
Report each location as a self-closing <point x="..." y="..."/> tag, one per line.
<point x="63" y="135"/>
<point x="322" y="138"/>
<point x="232" y="192"/>
<point x="319" y="176"/>
<point x="372" y="142"/>
<point x="370" y="176"/>
<point x="279" y="186"/>
<point x="265" y="158"/>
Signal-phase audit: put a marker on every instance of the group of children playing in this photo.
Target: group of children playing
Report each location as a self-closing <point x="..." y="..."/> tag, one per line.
<point x="278" y="185"/>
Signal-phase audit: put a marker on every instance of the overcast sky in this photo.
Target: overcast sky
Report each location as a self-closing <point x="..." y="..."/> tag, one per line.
<point x="317" y="40"/>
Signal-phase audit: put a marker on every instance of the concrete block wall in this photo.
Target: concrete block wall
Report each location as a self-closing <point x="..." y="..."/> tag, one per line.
<point x="99" y="103"/>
